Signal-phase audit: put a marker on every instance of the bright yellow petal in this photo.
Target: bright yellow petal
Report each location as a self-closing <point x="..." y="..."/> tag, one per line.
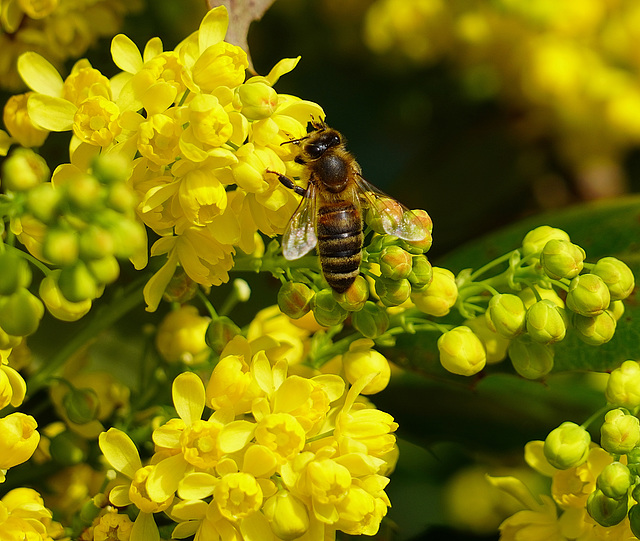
<point x="39" y="74"/>
<point x="145" y="528"/>
<point x="188" y="397"/>
<point x="213" y="27"/>
<point x="197" y="486"/>
<point x="54" y="114"/>
<point x="189" y="510"/>
<point x="18" y="385"/>
<point x="152" y="49"/>
<point x="235" y="436"/>
<point x="164" y="478"/>
<point x="125" y="54"/>
<point x="281" y="68"/>
<point x="5" y="142"/>
<point x="120" y="451"/>
<point x="154" y="288"/>
<point x="119" y="495"/>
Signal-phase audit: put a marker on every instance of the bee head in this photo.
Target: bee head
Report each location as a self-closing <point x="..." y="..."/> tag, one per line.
<point x="318" y="142"/>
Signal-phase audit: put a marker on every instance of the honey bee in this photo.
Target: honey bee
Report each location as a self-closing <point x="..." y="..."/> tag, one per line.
<point x="330" y="212"/>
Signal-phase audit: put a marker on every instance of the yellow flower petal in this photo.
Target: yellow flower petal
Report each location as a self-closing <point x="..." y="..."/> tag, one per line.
<point x="164" y="478"/>
<point x="119" y="496"/>
<point x="54" y="114"/>
<point x="281" y="68"/>
<point x="145" y="528"/>
<point x="235" y="436"/>
<point x="39" y="74"/>
<point x="259" y="461"/>
<point x="213" y="27"/>
<point x="120" y="451"/>
<point x="188" y="397"/>
<point x="5" y="142"/>
<point x="152" y="49"/>
<point x="154" y="288"/>
<point x="197" y="486"/>
<point x="125" y="54"/>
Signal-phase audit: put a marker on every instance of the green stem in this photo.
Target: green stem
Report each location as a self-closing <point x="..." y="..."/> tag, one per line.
<point x="474" y="275"/>
<point x="274" y="265"/>
<point x="595" y="416"/>
<point x="34" y="261"/>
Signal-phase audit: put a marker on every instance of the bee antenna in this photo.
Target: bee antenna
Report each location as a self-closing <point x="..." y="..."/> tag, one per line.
<point x="294" y="141"/>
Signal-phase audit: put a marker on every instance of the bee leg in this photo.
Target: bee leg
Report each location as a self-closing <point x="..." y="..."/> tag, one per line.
<point x="288" y="183"/>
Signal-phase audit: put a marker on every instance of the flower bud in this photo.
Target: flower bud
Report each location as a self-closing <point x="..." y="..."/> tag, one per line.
<point x="8" y="341"/>
<point x="326" y="310"/>
<point x="615" y="480"/>
<point x="128" y="237"/>
<point x="616" y="309"/>
<point x="24" y="170"/>
<point x="68" y="449"/>
<point x="81" y="405"/>
<point x="562" y="259"/>
<point x="15" y="272"/>
<point x="381" y="221"/>
<point x="105" y="270"/>
<point x="567" y="446"/>
<point x="494" y="344"/>
<point x="181" y="335"/>
<point x="287" y="515"/>
<point x="111" y="168"/>
<point x="623" y="386"/>
<point x="595" y="330"/>
<point x="258" y="100"/>
<point x="361" y="361"/>
<point x="421" y="272"/>
<point x="181" y="288"/>
<point x="61" y="246"/>
<point x="617" y="275"/>
<point x="372" y="321"/>
<point x="220" y="332"/>
<point x="437" y="299"/>
<point x="393" y="292"/>
<point x="588" y="295"/>
<point x="84" y="191"/>
<point x="536" y="239"/>
<point x="545" y="322"/>
<point x="634" y="519"/>
<point x="43" y="202"/>
<point x="395" y="263"/>
<point x="380" y="242"/>
<point x="619" y="433"/>
<point x="606" y="511"/>
<point x="95" y="242"/>
<point x="19" y="125"/>
<point x="18" y="439"/>
<point x="506" y="315"/>
<point x="423" y="244"/>
<point x="121" y="198"/>
<point x="57" y="305"/>
<point x="294" y="299"/>
<point x="532" y="360"/>
<point x="20" y="313"/>
<point x="77" y="283"/>
<point x="461" y="351"/>
<point x="353" y="299"/>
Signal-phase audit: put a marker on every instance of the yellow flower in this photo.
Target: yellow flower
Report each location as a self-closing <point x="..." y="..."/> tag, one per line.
<point x="19" y="125"/>
<point x="24" y="516"/>
<point x="12" y="386"/>
<point x="181" y="335"/>
<point x="96" y="121"/>
<point x="112" y="526"/>
<point x="18" y="439"/>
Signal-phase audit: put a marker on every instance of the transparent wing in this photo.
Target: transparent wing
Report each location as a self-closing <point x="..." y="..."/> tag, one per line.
<point x="300" y="236"/>
<point x="394" y="217"/>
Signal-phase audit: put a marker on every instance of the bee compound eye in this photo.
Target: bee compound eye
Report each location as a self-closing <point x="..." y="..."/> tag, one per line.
<point x="315" y="151"/>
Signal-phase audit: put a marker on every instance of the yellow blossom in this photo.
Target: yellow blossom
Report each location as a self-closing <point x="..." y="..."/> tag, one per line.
<point x="19" y="125"/>
<point x="18" y="439"/>
<point x="181" y="335"/>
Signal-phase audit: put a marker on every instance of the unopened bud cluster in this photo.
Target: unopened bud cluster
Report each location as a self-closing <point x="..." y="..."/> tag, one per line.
<point x="78" y="225"/>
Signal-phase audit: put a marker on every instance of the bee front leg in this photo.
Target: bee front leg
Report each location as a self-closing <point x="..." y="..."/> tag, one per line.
<point x="288" y="183"/>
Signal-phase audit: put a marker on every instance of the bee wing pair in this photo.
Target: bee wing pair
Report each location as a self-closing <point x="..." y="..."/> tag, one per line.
<point x="396" y="219"/>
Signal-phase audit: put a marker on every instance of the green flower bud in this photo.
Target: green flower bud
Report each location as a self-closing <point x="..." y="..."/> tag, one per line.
<point x="619" y="433"/>
<point x="95" y="243"/>
<point x="20" y="313"/>
<point x="421" y="272"/>
<point x="424" y="244"/>
<point x="294" y="299"/>
<point x="567" y="446"/>
<point x="437" y="299"/>
<point x="181" y="287"/>
<point x="606" y="511"/>
<point x="24" y="170"/>
<point x="105" y="270"/>
<point x="380" y="242"/>
<point x="112" y="168"/>
<point x="15" y="272"/>
<point x="353" y="299"/>
<point x="494" y="344"/>
<point x="61" y="246"/>
<point x="395" y="263"/>
<point x="532" y="360"/>
<point x="258" y="100"/>
<point x="84" y="191"/>
<point x="535" y="240"/>
<point x="588" y="295"/>
<point x="506" y="315"/>
<point x="77" y="283"/>
<point x="615" y="480"/>
<point x="326" y="310"/>
<point x="372" y="321"/>
<point x="545" y="322"/>
<point x="68" y="449"/>
<point x="91" y="509"/>
<point x="392" y="292"/>
<point x="57" y="305"/>
<point x="616" y="275"/>
<point x="43" y="202"/>
<point x="8" y="341"/>
<point x="634" y="520"/>
<point x="220" y="332"/>
<point x="623" y="386"/>
<point x="128" y="237"/>
<point x="562" y="259"/>
<point x="595" y="330"/>
<point x="616" y="309"/>
<point x="121" y="198"/>
<point x="81" y="405"/>
<point x="461" y="351"/>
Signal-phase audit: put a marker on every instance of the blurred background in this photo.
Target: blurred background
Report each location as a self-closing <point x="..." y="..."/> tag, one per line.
<point x="482" y="112"/>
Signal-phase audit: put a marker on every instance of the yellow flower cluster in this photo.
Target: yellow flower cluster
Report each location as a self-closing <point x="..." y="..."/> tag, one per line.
<point x="281" y="456"/>
<point x="57" y="29"/>
<point x="24" y="516"/>
<point x="570" y="68"/>
<point x="198" y="136"/>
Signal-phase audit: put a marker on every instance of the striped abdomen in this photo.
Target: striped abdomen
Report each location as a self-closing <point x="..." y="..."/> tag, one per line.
<point x="339" y="232"/>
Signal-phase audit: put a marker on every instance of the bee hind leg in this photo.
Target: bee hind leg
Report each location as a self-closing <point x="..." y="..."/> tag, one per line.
<point x="288" y="183"/>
